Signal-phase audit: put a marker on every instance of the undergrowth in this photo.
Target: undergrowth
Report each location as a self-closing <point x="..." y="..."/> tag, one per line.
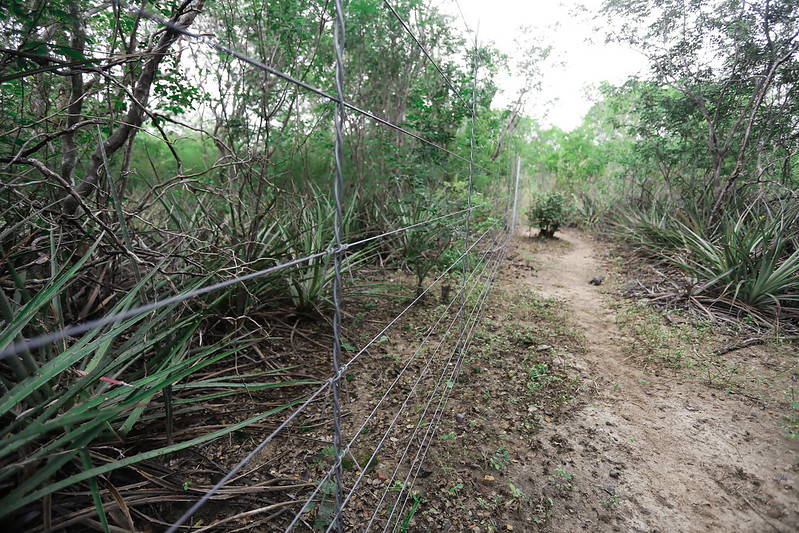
<point x="692" y="347"/>
<point x="748" y="261"/>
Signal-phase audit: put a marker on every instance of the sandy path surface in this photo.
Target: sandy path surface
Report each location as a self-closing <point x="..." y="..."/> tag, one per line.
<point x="657" y="453"/>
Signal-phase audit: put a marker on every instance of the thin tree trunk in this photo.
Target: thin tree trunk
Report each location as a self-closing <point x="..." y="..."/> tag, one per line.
<point x="135" y="115"/>
<point x="69" y="144"/>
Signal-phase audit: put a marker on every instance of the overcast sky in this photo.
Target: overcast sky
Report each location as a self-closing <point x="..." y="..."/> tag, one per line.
<point x="587" y="59"/>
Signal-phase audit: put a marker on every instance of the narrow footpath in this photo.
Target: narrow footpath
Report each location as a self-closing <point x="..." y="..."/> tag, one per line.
<point x="658" y="451"/>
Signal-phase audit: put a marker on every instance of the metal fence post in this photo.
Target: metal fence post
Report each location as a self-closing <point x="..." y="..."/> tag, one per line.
<point x="339" y="192"/>
<point x="515" y="196"/>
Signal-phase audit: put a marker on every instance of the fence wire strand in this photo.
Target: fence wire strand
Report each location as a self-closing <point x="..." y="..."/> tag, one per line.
<point x="415" y="386"/>
<point x="442" y="384"/>
<point x="435" y="64"/>
<point x="459" y="351"/>
<point x="407" y="486"/>
<point x="336" y="377"/>
<point x="233" y="471"/>
<point x="427" y="54"/>
<point x="476" y="286"/>
<point x="172" y="26"/>
<point x="75" y="330"/>
<point x="394" y="421"/>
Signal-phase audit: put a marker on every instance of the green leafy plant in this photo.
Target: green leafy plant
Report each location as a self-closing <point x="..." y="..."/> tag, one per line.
<point x="748" y="262"/>
<point x="547" y="212"/>
<point x="542" y="510"/>
<point x="309" y="233"/>
<point x="516" y="492"/>
<point x="537" y="376"/>
<point x="791" y="422"/>
<point x="409" y="514"/>
<point x="424" y="246"/>
<point x="611" y="502"/>
<point x="105" y="391"/>
<point x="500" y="460"/>
<point x="652" y="230"/>
<point x="749" y="259"/>
<point x="324" y="506"/>
<point x="561" y="480"/>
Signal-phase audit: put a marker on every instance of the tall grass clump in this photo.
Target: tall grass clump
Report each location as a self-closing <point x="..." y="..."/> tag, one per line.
<point x="65" y="408"/>
<point x="750" y="258"/>
<point x="653" y="230"/>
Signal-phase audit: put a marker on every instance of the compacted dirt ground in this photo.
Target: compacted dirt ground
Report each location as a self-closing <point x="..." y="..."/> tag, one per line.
<point x="581" y="411"/>
<point x="578" y="407"/>
<point x="680" y="456"/>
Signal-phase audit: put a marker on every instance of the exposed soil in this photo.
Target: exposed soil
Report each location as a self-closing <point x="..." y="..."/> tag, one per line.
<point x="612" y="440"/>
<point x="575" y="409"/>
<point x="679" y="455"/>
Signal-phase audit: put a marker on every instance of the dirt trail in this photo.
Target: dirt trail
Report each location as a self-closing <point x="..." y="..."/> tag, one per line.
<point x="657" y="453"/>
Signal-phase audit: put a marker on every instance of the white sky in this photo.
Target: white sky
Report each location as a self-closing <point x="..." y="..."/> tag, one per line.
<point x="588" y="60"/>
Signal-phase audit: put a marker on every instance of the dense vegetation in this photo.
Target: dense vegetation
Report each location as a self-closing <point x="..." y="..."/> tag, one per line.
<point x="138" y="163"/>
<point x="696" y="163"/>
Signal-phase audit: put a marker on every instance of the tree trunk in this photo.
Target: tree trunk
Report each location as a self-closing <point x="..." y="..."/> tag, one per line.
<point x="135" y="115"/>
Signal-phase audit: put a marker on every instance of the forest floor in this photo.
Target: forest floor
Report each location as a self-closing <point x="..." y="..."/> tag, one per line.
<point x="581" y="410"/>
<point x="577" y="407"/>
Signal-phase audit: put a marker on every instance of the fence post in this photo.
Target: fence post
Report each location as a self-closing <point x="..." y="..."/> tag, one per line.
<point x="338" y="188"/>
<point x="515" y="196"/>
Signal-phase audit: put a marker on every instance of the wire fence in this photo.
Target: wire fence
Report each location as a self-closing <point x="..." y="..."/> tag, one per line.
<point x="391" y="426"/>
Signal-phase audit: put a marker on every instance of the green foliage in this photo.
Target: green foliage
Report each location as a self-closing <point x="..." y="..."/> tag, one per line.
<point x="723" y="88"/>
<point x="747" y="261"/>
<point x="751" y="257"/>
<point x="652" y="230"/>
<point x="215" y="170"/>
<point x="547" y="212"/>
<point x="409" y="514"/>
<point x="324" y="507"/>
<point x="571" y="158"/>
<point x="791" y="421"/>
<point x="611" y="502"/>
<point x="589" y="210"/>
<point x="500" y="460"/>
<point x="93" y="403"/>
<point x="311" y="232"/>
<point x="561" y="481"/>
<point x="425" y="246"/>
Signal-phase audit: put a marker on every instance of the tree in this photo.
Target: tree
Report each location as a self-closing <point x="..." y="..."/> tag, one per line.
<point x="733" y="64"/>
<point x="71" y="41"/>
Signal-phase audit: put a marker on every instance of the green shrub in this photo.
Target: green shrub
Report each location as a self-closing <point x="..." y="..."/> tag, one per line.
<point x="588" y="210"/>
<point x="547" y="212"/>
<point x="748" y="258"/>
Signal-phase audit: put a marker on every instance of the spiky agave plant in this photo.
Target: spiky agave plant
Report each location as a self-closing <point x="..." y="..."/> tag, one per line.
<point x="652" y="230"/>
<point x="749" y="260"/>
<point x="310" y="231"/>
<point x="62" y="406"/>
